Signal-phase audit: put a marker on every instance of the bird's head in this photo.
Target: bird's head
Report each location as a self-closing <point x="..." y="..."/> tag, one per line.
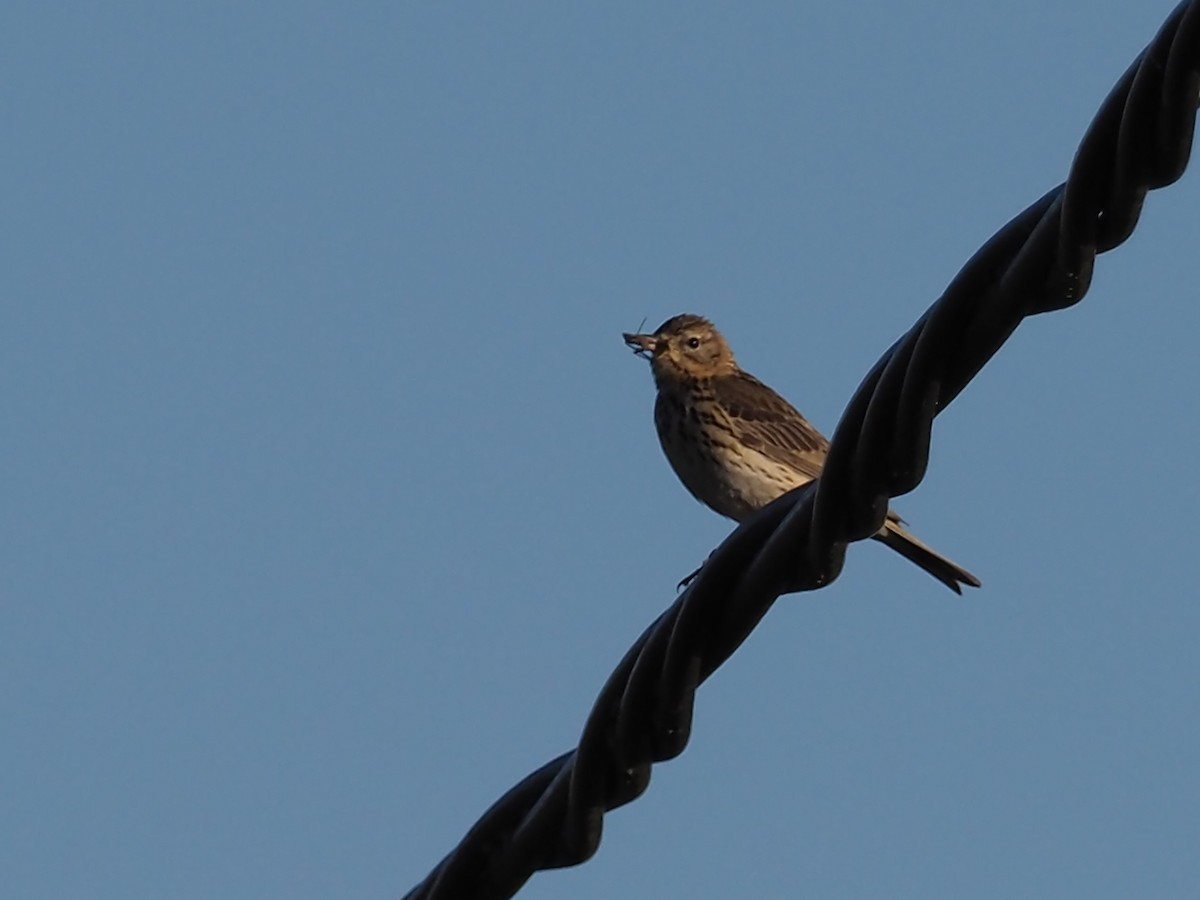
<point x="684" y="347"/>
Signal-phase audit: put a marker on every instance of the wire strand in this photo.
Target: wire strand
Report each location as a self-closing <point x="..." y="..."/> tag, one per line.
<point x="1041" y="261"/>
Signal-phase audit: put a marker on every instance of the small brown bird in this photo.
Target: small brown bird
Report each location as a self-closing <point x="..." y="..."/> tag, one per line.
<point x="736" y="444"/>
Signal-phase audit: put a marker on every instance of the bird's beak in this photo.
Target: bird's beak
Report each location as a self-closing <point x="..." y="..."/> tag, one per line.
<point x="643" y="344"/>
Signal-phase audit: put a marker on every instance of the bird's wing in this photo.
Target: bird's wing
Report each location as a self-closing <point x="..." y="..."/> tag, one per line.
<point x="764" y="421"/>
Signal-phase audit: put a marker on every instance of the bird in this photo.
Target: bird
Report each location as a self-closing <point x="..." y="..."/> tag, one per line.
<point x="736" y="444"/>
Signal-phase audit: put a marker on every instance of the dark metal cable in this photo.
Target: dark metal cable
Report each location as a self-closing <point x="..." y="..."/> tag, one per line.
<point x="1041" y="261"/>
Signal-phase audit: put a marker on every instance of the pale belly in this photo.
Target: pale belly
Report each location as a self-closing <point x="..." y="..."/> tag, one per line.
<point x="728" y="477"/>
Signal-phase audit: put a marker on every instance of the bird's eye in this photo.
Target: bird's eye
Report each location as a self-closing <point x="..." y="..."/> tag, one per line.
<point x="693" y="342"/>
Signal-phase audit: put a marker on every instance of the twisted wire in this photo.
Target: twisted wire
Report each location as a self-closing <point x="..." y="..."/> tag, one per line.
<point x="1041" y="261"/>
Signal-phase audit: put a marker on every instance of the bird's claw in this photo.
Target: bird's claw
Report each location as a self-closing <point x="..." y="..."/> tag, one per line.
<point x="688" y="579"/>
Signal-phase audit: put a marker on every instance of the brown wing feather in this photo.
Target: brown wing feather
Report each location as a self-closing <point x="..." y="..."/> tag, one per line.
<point x="763" y="420"/>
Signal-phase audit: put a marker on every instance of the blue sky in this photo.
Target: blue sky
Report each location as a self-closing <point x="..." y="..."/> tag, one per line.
<point x="331" y="495"/>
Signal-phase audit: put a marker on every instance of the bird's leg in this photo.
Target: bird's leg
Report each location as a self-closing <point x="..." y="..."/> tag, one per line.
<point x="688" y="579"/>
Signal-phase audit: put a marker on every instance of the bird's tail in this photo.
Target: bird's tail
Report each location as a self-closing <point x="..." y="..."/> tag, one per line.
<point x="915" y="551"/>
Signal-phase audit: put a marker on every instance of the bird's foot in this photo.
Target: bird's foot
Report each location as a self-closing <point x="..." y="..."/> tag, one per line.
<point x="688" y="579"/>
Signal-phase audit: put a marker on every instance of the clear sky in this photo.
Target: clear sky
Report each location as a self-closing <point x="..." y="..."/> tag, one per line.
<point x="331" y="496"/>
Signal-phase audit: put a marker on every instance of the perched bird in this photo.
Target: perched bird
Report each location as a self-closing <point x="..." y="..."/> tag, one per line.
<point x="736" y="444"/>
